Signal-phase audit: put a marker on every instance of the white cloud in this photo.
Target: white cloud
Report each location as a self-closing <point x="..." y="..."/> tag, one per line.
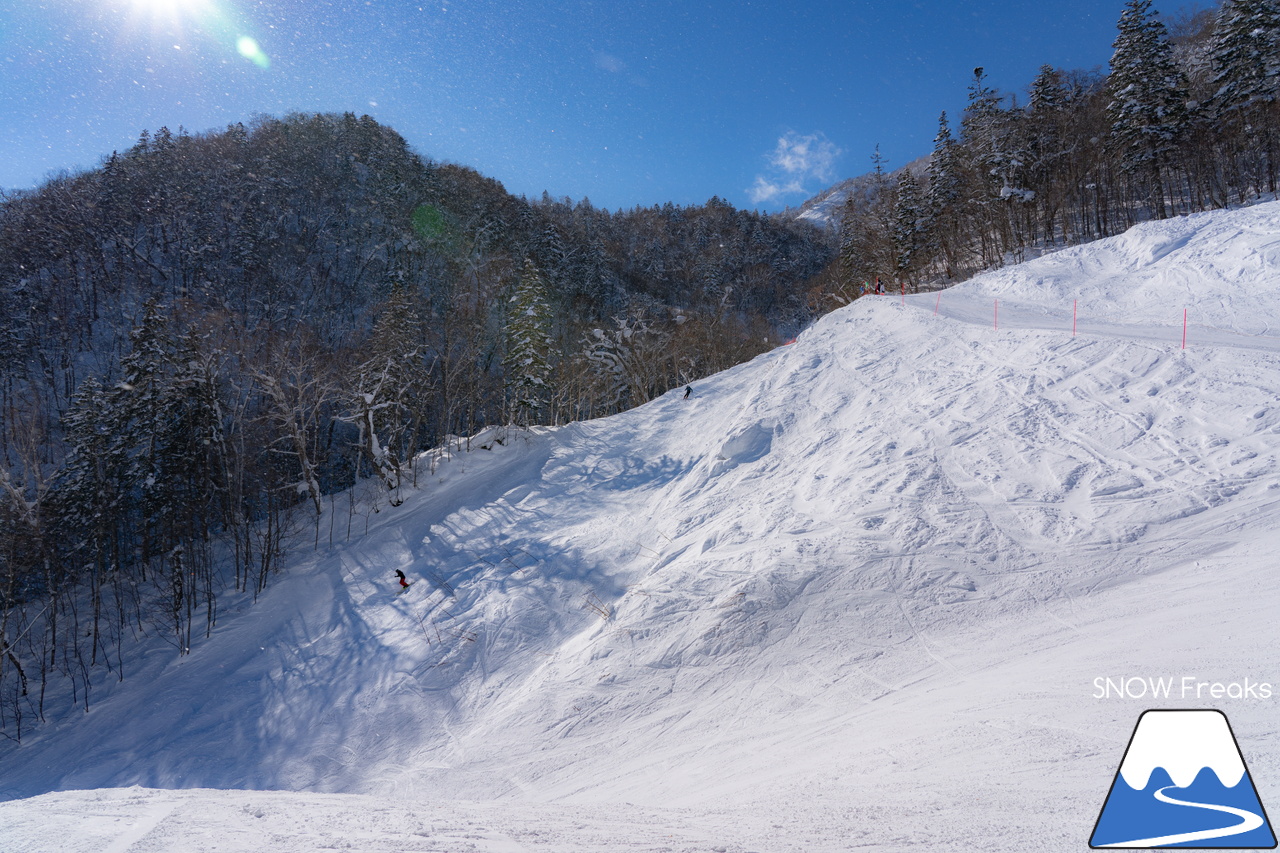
<point x="766" y="190"/>
<point x="609" y="62"/>
<point x="806" y="156"/>
<point x="797" y="160"/>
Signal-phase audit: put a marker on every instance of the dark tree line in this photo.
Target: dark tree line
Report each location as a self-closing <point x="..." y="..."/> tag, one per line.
<point x="1187" y="118"/>
<point x="207" y="336"/>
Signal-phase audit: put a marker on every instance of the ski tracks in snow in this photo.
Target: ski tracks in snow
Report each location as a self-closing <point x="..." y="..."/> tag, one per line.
<point x="153" y="815"/>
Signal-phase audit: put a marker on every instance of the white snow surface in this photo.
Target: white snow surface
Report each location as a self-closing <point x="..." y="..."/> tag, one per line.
<point x="854" y="594"/>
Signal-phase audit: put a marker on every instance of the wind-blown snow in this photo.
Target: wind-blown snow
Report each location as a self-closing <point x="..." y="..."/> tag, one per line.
<point x="854" y="593"/>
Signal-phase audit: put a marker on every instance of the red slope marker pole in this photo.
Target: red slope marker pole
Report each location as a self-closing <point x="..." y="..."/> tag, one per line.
<point x="904" y="292"/>
<point x="936" y="303"/>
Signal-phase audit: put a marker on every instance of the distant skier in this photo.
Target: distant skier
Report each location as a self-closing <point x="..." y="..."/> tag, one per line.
<point x="404" y="584"/>
<point x="688" y="389"/>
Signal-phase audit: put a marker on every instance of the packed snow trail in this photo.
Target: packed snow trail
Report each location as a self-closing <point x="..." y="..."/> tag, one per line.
<point x="855" y="592"/>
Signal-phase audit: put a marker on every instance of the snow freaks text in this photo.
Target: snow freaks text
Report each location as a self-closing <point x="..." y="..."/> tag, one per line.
<point x="1184" y="687"/>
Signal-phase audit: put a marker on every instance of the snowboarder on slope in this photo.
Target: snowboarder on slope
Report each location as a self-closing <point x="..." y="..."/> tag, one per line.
<point x="404" y="584"/>
<point x="687" y="391"/>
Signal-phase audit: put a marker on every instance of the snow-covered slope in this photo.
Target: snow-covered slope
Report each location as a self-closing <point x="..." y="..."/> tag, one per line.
<point x="826" y="209"/>
<point x="854" y="593"/>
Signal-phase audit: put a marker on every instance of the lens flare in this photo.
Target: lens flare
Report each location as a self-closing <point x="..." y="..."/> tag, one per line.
<point x="248" y="48"/>
<point x="210" y="19"/>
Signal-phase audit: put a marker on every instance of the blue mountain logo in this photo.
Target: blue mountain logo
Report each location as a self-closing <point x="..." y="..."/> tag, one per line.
<point x="1183" y="783"/>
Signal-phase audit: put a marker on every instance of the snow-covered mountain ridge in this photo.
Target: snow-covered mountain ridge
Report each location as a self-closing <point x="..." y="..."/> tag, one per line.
<point x="858" y="588"/>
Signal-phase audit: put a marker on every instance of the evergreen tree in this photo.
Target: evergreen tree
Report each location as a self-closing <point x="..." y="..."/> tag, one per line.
<point x="1246" y="55"/>
<point x="867" y="250"/>
<point x="988" y="139"/>
<point x="910" y="230"/>
<point x="189" y="493"/>
<point x="848" y="260"/>
<point x="1047" y="151"/>
<point x="144" y="489"/>
<point x="981" y="128"/>
<point x="529" y="347"/>
<point x="1246" y="77"/>
<point x="1047" y="93"/>
<point x="944" y="194"/>
<point x="944" y="177"/>
<point x="1148" y="99"/>
<point x="88" y="500"/>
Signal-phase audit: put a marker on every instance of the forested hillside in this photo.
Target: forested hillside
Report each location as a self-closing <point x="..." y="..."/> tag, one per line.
<point x="1187" y="118"/>
<point x="207" y="334"/>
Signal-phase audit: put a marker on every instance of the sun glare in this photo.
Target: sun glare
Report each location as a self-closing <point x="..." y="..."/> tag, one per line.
<point x="171" y="7"/>
<point x="207" y="18"/>
<point x="168" y="12"/>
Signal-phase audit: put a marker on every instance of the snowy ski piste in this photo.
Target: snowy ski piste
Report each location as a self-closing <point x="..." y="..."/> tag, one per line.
<point x="854" y="594"/>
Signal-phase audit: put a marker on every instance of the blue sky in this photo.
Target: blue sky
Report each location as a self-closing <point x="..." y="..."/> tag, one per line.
<point x="626" y="102"/>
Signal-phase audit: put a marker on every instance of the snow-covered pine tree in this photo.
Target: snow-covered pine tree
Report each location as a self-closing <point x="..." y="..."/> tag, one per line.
<point x="529" y="347"/>
<point x="87" y="494"/>
<point x="1047" y="154"/>
<point x="910" y="227"/>
<point x="988" y="140"/>
<point x="136" y="410"/>
<point x="848" y="260"/>
<point x="1245" y="54"/>
<point x="191" y="491"/>
<point x="1047" y="94"/>
<point x="980" y="126"/>
<point x="144" y="487"/>
<point x="866" y="230"/>
<point x="944" y="195"/>
<point x="944" y="171"/>
<point x="1147" y="105"/>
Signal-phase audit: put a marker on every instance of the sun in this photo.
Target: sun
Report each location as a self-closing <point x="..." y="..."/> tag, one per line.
<point x="171" y="12"/>
<point x="214" y="20"/>
<point x="162" y="12"/>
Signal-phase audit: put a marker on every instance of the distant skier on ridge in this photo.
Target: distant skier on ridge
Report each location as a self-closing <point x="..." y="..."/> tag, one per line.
<point x="404" y="584"/>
